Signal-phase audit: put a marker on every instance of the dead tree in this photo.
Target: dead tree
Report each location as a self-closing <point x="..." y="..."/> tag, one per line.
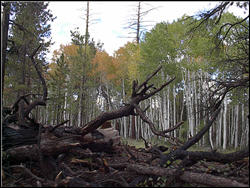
<point x="136" y="22"/>
<point x="139" y="93"/>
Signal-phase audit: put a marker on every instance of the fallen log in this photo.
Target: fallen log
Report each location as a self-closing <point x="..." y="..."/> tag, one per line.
<point x="53" y="146"/>
<point x="189" y="177"/>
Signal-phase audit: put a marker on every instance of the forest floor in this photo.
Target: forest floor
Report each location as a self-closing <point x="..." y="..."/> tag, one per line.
<point x="76" y="169"/>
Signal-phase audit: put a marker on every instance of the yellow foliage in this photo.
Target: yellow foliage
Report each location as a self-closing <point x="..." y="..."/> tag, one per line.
<point x="105" y="67"/>
<point x="127" y="58"/>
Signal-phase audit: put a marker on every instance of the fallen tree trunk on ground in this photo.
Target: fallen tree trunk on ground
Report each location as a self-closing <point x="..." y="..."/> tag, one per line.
<point x="189" y="177"/>
<point x="101" y="140"/>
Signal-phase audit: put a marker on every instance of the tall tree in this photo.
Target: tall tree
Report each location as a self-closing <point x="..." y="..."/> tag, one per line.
<point x="26" y="33"/>
<point x="81" y="109"/>
<point x="5" y="29"/>
<point x="136" y="23"/>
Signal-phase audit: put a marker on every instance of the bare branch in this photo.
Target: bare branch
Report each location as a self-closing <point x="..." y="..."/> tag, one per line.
<point x="171" y="156"/>
<point x="159" y="89"/>
<point x="231" y="26"/>
<point x="60" y="124"/>
<point x="45" y="92"/>
<point x="152" y="127"/>
<point x="28" y="172"/>
<point x="128" y="109"/>
<point x="173" y="128"/>
<point x="149" y="77"/>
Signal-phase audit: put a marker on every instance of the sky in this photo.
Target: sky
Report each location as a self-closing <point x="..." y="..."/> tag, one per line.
<point x="108" y="19"/>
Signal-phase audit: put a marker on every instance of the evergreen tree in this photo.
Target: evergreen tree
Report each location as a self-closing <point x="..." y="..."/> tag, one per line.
<point x="25" y="34"/>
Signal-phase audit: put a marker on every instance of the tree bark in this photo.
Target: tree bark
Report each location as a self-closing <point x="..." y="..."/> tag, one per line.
<point x="236" y="126"/>
<point x="189" y="177"/>
<point x="225" y="124"/>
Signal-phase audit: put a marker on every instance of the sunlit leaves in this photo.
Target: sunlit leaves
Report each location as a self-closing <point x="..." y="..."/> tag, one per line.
<point x="128" y="58"/>
<point x="105" y="67"/>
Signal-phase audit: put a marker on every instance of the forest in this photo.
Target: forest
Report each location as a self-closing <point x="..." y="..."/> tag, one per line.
<point x="170" y="108"/>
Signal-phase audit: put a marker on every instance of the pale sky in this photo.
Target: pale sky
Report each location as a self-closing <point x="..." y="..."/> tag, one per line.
<point x="109" y="18"/>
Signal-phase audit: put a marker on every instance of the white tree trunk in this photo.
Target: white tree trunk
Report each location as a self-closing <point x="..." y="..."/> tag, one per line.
<point x="164" y="105"/>
<point x="174" y="114"/>
<point x="210" y="137"/>
<point x="65" y="106"/>
<point x="247" y="133"/>
<point x="219" y="130"/>
<point x="79" y="113"/>
<point x="188" y="99"/>
<point x="168" y="108"/>
<point x="194" y="97"/>
<point x="243" y="127"/>
<point x="236" y="125"/>
<point x="232" y="130"/>
<point x="124" y="125"/>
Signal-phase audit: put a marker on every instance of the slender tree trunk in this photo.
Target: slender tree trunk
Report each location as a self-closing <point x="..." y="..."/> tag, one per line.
<point x="133" y="127"/>
<point x="191" y="106"/>
<point x="247" y="132"/>
<point x="182" y="109"/>
<point x="65" y="105"/>
<point x="175" y="111"/>
<point x="5" y="29"/>
<point x="164" y="105"/>
<point x="138" y="23"/>
<point x="210" y="137"/>
<point x="236" y="125"/>
<point x="198" y="109"/>
<point x="188" y="98"/>
<point x="82" y="89"/>
<point x="124" y="118"/>
<point x="232" y="131"/>
<point x="220" y="129"/>
<point x="243" y="127"/>
<point x="168" y="108"/>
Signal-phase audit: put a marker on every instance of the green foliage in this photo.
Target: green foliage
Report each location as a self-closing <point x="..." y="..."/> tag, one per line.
<point x="128" y="58"/>
<point x="133" y="142"/>
<point x="154" y="181"/>
<point x="69" y="72"/>
<point x="25" y="34"/>
<point x="5" y="156"/>
<point x="183" y="131"/>
<point x="159" y="47"/>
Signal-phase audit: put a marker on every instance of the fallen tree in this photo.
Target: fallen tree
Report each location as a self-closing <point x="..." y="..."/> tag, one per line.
<point x="189" y="177"/>
<point x="25" y="139"/>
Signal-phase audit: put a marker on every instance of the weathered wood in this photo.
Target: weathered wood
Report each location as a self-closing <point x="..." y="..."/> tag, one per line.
<point x="212" y="156"/>
<point x="106" y="125"/>
<point x="30" y="152"/>
<point x="74" y="182"/>
<point x="189" y="177"/>
<point x="171" y="156"/>
<point x="53" y="146"/>
<point x="13" y="136"/>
